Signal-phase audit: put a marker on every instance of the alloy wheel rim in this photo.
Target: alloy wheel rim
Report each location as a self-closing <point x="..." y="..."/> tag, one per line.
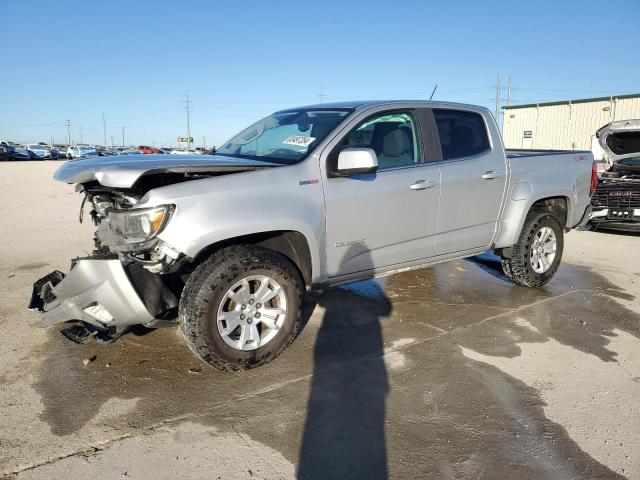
<point x="252" y="312"/>
<point x="543" y="250"/>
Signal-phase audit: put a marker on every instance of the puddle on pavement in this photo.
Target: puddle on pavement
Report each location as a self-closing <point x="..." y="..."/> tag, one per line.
<point x="469" y="416"/>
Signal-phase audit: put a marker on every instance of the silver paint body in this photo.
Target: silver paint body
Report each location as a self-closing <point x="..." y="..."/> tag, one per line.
<point x="366" y="225"/>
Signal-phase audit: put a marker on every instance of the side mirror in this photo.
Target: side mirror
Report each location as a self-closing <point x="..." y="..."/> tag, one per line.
<point x="356" y="161"/>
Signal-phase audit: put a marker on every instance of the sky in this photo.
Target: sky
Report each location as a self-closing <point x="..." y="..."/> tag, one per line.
<point x="133" y="61"/>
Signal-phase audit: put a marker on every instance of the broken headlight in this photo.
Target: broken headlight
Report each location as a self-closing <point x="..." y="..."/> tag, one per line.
<point x="139" y="225"/>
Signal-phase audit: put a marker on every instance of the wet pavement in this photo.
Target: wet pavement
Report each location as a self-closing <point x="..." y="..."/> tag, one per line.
<point x="447" y="372"/>
<point x="377" y="385"/>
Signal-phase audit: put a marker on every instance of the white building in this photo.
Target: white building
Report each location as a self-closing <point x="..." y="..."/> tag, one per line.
<point x="566" y="125"/>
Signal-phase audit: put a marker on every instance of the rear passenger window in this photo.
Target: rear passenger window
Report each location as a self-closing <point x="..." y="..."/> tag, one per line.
<point x="462" y="134"/>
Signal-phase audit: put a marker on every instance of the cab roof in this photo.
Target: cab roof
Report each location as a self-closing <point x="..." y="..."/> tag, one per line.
<point x="359" y="104"/>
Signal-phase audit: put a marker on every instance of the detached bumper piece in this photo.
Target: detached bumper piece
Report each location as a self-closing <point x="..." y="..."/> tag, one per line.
<point x="97" y="296"/>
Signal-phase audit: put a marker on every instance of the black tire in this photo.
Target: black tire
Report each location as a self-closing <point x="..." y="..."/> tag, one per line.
<point x="518" y="267"/>
<point x="205" y="290"/>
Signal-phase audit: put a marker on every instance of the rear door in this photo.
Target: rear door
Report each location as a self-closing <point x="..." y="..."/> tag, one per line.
<point x="473" y="178"/>
<point x="384" y="220"/>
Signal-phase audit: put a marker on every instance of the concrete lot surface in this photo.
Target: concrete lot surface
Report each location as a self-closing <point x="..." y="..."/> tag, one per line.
<point x="448" y="372"/>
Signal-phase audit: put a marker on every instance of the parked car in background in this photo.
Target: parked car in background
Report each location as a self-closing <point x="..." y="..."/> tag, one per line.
<point x="81" y="151"/>
<point x="105" y="151"/>
<point x="14" y="153"/>
<point x="179" y="151"/>
<point x="130" y="151"/>
<point x="59" y="152"/>
<point x="147" y="150"/>
<point x="37" y="150"/>
<point x="337" y="193"/>
<point x="616" y="201"/>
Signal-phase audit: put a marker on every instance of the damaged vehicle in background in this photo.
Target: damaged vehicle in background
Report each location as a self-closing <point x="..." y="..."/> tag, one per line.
<point x="616" y="201"/>
<point x="226" y="245"/>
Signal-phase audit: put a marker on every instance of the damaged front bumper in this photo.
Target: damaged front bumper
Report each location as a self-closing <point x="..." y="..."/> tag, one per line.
<point x="103" y="293"/>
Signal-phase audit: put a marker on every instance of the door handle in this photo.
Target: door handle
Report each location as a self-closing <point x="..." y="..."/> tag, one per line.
<point x="490" y="175"/>
<point x="422" y="184"/>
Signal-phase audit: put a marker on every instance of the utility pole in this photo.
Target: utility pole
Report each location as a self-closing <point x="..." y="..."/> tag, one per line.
<point x="81" y="135"/>
<point x="187" y="102"/>
<point x="67" y="124"/>
<point x="204" y="142"/>
<point x="321" y="95"/>
<point x="104" y="128"/>
<point x="498" y="99"/>
<point x="112" y="140"/>
<point x="123" y="136"/>
<point x="509" y="92"/>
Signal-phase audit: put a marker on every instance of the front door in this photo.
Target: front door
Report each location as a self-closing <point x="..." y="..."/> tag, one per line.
<point x="384" y="220"/>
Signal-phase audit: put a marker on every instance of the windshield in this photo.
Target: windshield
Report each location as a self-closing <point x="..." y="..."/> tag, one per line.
<point x="284" y="137"/>
<point x="631" y="162"/>
<point x="86" y="149"/>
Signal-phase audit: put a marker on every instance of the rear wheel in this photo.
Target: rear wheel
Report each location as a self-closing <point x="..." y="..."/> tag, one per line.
<point x="535" y="258"/>
<point x="241" y="307"/>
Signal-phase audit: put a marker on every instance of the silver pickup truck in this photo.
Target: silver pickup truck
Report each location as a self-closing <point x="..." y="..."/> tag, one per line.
<point x="226" y="245"/>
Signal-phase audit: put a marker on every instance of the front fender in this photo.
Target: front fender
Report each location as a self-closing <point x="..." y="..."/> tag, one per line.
<point x="216" y="209"/>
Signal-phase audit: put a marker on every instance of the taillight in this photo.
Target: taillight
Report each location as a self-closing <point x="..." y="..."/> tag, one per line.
<point x="594" y="179"/>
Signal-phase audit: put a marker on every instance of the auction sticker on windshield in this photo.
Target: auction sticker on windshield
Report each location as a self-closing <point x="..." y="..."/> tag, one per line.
<point x="298" y="140"/>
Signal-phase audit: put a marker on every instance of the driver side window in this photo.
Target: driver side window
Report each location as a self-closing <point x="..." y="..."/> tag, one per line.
<point x="393" y="136"/>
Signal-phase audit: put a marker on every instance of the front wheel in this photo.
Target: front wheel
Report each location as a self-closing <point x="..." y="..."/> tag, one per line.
<point x="241" y="307"/>
<point x="535" y="258"/>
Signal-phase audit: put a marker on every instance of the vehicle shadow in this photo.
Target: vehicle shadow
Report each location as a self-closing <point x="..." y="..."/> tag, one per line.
<point x="344" y="431"/>
<point x="490" y="263"/>
<point x="613" y="231"/>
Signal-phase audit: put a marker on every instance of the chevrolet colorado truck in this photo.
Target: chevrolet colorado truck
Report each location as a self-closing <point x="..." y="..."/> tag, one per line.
<point x="226" y="245"/>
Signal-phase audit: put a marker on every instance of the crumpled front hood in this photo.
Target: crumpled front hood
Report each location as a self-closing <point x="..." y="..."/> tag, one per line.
<point x="620" y="139"/>
<point x="124" y="171"/>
